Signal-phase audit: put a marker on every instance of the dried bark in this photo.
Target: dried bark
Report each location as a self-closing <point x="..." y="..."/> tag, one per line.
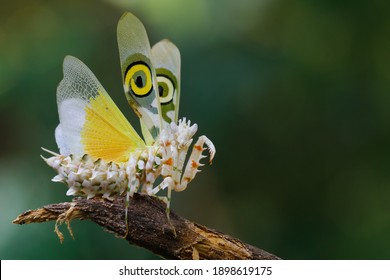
<point x="148" y="228"/>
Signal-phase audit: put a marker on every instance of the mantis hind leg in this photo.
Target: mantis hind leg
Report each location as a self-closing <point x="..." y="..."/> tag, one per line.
<point x="170" y="184"/>
<point x="133" y="184"/>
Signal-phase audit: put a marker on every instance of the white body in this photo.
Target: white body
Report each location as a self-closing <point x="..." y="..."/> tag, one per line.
<point x="87" y="177"/>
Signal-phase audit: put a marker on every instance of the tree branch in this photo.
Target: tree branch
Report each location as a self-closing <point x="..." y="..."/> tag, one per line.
<point x="148" y="228"/>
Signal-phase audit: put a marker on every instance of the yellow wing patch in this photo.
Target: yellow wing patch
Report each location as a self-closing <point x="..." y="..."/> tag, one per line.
<point x="106" y="133"/>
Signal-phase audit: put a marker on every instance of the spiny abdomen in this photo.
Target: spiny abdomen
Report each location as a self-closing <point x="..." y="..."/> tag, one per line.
<point x="86" y="177"/>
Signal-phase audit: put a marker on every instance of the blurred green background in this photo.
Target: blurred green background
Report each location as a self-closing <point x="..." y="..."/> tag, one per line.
<point x="294" y="94"/>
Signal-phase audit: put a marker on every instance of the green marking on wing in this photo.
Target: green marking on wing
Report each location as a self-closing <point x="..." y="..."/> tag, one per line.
<point x="166" y="60"/>
<point x="138" y="73"/>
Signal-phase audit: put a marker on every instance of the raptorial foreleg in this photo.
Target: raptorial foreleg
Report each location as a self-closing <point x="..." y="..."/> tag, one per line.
<point x="194" y="161"/>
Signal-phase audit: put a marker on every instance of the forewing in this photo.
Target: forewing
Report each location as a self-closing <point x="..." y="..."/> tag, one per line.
<point x="90" y="122"/>
<point x="138" y="74"/>
<point x="166" y="60"/>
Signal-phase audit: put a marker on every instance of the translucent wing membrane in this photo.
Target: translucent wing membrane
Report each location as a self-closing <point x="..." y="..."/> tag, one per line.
<point x="166" y="60"/>
<point x="139" y="76"/>
<point x="90" y="122"/>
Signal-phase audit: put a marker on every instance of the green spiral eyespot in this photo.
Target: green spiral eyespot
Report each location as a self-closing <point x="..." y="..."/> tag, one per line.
<point x="166" y="89"/>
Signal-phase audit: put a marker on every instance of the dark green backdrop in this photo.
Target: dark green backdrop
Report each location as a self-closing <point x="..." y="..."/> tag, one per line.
<point x="294" y="94"/>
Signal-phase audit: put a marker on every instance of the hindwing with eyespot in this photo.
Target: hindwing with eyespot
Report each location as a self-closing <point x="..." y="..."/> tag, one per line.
<point x="166" y="60"/>
<point x="139" y="76"/>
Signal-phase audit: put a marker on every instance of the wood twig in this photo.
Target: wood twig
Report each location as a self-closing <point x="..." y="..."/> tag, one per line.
<point x="148" y="228"/>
